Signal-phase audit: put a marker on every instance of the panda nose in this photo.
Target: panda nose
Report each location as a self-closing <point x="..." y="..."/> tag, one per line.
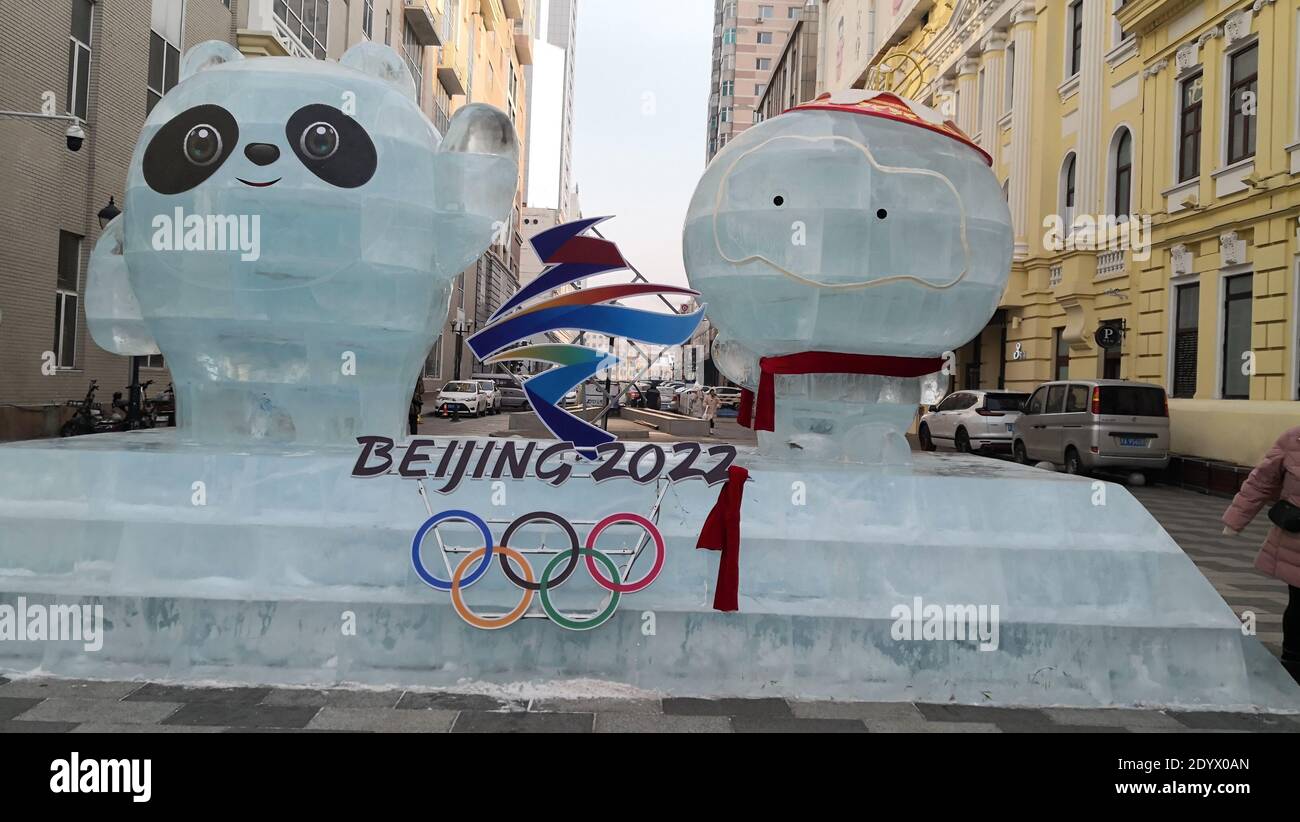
<point x="262" y="153"/>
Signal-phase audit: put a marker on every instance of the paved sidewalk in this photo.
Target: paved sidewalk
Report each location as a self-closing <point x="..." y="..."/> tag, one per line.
<point x="63" y="705"/>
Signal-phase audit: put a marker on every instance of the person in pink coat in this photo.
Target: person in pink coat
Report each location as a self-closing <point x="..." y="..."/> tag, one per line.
<point x="1277" y="477"/>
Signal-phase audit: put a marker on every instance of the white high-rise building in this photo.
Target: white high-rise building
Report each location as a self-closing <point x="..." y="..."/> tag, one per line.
<point x="549" y="154"/>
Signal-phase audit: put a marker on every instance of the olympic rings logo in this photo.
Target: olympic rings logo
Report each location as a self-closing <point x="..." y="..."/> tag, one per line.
<point x="514" y="564"/>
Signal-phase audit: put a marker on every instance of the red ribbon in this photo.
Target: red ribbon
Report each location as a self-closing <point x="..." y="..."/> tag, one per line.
<point x="721" y="532"/>
<point x="820" y="362"/>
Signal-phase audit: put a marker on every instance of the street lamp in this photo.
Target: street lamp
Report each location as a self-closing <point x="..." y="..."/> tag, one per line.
<point x="108" y="212"/>
<point x="460" y="327"/>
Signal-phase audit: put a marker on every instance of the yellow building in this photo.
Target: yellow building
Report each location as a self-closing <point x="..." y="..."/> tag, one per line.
<point x="1150" y="153"/>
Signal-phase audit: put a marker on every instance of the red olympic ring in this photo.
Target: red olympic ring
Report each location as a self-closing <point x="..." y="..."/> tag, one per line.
<point x="651" y="575"/>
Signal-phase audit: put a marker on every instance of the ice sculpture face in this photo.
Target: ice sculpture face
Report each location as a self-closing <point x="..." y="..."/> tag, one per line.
<point x="290" y="233"/>
<point x="838" y="231"/>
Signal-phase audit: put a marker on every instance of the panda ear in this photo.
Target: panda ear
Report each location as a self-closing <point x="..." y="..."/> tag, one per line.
<point x="382" y="62"/>
<point x="206" y="55"/>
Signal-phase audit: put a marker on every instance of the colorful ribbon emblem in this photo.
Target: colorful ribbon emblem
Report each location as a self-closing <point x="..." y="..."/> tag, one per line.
<point x="571" y="257"/>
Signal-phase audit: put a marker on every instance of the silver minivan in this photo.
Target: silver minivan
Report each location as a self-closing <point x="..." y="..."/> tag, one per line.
<point x="1095" y="424"/>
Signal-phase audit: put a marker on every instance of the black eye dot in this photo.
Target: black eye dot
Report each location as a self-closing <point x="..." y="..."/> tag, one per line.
<point x="778" y="200"/>
<point x="881" y="214"/>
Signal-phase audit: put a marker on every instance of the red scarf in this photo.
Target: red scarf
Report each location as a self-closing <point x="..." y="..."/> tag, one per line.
<point x="821" y="362"/>
<point x="721" y="532"/>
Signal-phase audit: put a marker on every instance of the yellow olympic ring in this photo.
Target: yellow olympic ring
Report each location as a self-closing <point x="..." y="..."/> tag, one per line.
<point x="505" y="620"/>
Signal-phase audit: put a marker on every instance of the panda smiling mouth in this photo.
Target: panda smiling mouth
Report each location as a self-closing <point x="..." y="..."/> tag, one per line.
<point x="259" y="185"/>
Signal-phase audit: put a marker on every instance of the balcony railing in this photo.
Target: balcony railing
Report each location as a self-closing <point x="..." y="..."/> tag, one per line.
<point x="262" y="20"/>
<point x="1110" y="263"/>
<point x="424" y="20"/>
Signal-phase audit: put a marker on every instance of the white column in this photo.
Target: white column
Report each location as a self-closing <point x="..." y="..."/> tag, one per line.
<point x="1091" y="152"/>
<point x="967" y="116"/>
<point x="1021" y="123"/>
<point x="995" y="47"/>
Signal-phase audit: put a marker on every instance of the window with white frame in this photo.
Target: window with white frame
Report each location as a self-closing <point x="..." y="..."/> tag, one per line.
<point x="765" y="38"/>
<point x="368" y="18"/>
<point x="65" y="300"/>
<point x="308" y="20"/>
<point x="1243" y="103"/>
<point x="1074" y="38"/>
<point x="1068" y="179"/>
<point x="766" y="11"/>
<point x="1121" y="174"/>
<point x="164" y="49"/>
<point x="1118" y="35"/>
<point x="1190" y="94"/>
<point x="83" y="13"/>
<point x="1238" y="296"/>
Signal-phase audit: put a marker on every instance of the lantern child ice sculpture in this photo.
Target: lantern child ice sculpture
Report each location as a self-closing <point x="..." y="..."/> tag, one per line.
<point x="842" y="248"/>
<point x="291" y="231"/>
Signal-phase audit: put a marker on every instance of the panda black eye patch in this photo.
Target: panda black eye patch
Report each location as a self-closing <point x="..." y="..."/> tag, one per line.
<point x="331" y="145"/>
<point x="189" y="148"/>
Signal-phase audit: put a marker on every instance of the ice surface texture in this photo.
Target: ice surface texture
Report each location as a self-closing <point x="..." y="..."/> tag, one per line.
<point x="321" y="219"/>
<point x="1098" y="606"/>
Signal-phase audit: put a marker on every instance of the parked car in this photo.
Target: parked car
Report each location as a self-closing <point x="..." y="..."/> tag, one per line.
<point x="514" y="399"/>
<point x="462" y="396"/>
<point x="972" y="421"/>
<point x="728" y="396"/>
<point x="1095" y="424"/>
<point x="491" y="396"/>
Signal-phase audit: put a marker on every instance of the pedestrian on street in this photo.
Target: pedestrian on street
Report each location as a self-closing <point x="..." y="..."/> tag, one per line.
<point x="1276" y="482"/>
<point x="417" y="405"/>
<point x="652" y="397"/>
<point x="711" y="403"/>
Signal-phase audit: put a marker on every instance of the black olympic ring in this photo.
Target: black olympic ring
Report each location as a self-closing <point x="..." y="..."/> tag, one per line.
<point x="574" y="549"/>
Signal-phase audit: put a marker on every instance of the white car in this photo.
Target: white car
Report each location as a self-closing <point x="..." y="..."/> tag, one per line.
<point x="491" y="396"/>
<point x="462" y="396"/>
<point x="972" y="421"/>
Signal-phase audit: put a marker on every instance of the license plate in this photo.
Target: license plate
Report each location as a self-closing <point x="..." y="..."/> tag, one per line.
<point x="1011" y="426"/>
<point x="1134" y="442"/>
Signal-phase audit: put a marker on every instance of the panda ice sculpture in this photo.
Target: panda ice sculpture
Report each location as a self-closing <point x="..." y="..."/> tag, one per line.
<point x="290" y="233"/>
<point x="842" y="248"/>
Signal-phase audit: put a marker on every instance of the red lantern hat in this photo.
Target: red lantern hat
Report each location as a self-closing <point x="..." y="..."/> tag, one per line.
<point x="892" y="107"/>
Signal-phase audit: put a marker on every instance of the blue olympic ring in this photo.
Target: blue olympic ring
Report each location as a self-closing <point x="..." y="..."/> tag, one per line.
<point x="433" y="521"/>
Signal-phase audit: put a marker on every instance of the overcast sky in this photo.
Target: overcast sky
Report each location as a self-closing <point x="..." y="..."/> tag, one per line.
<point x="642" y="95"/>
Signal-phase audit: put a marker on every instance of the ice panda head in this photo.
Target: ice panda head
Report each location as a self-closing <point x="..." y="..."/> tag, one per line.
<point x="336" y="162"/>
<point x="824" y="229"/>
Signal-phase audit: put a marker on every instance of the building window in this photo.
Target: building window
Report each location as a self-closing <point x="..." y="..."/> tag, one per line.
<point x="1009" y="80"/>
<point x="1243" y="74"/>
<point x="1187" y="325"/>
<point x="414" y="54"/>
<point x="1189" y="128"/>
<point x="1122" y="179"/>
<point x="1067" y="192"/>
<point x="728" y="37"/>
<point x="65" y="300"/>
<point x="765" y="38"/>
<point x="368" y="18"/>
<point x="793" y="12"/>
<point x="759" y="88"/>
<point x="433" y="363"/>
<point x="1237" y="298"/>
<point x="724" y="115"/>
<point x="1061" y="362"/>
<point x="388" y="28"/>
<point x="979" y="100"/>
<point x="79" y="57"/>
<point x="765" y="11"/>
<point x="763" y="63"/>
<point x="1075" y="38"/>
<point x="728" y="88"/>
<point x="164" y="49"/>
<point x="308" y="21"/>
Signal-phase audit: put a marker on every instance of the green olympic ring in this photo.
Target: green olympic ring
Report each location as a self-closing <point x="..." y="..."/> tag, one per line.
<point x="578" y="624"/>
